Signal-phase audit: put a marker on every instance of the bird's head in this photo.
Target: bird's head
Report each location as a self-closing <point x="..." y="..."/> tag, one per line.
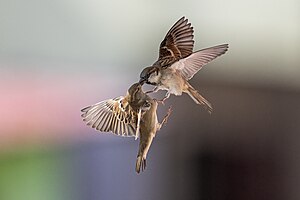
<point x="137" y="98"/>
<point x="135" y="89"/>
<point x="135" y="95"/>
<point x="149" y="75"/>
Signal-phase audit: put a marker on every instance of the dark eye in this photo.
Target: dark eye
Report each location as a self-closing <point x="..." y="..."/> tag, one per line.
<point x="147" y="104"/>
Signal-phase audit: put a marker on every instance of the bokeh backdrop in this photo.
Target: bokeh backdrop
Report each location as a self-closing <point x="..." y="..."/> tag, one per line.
<point x="57" y="56"/>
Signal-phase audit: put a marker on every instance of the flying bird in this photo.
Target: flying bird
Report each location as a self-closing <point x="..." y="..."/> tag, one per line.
<point x="177" y="63"/>
<point x="133" y="115"/>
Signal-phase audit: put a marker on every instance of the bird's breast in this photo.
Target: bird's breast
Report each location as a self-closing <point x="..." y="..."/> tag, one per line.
<point x="149" y="121"/>
<point x="172" y="81"/>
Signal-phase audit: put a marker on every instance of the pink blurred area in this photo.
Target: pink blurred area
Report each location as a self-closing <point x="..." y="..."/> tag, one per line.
<point x="39" y="108"/>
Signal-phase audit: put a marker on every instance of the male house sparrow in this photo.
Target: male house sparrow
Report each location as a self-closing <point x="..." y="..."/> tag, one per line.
<point x="177" y="63"/>
<point x="133" y="115"/>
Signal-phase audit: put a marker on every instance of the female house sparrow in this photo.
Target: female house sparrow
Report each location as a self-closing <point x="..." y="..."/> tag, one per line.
<point x="148" y="128"/>
<point x="177" y="63"/>
<point x="133" y="115"/>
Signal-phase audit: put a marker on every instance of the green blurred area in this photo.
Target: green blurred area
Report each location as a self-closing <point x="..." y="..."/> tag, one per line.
<point x="32" y="174"/>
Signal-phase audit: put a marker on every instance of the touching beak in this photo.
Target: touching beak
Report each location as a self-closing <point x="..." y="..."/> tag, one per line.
<point x="142" y="81"/>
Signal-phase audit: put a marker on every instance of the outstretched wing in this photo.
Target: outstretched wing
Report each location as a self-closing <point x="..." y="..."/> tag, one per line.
<point x="112" y="115"/>
<point x="189" y="66"/>
<point x="178" y="43"/>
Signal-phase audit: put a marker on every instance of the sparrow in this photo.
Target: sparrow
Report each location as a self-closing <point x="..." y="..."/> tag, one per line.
<point x="148" y="128"/>
<point x="132" y="115"/>
<point x="177" y="63"/>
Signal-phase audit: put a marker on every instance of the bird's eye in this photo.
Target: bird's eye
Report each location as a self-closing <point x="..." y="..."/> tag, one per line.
<point x="147" y="104"/>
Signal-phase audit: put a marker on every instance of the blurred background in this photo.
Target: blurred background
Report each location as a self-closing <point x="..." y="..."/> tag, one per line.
<point x="58" y="56"/>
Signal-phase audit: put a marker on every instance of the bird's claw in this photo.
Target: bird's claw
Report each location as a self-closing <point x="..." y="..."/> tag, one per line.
<point x="161" y="101"/>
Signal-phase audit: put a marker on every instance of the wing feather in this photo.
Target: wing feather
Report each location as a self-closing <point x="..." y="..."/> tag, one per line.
<point x="112" y="115"/>
<point x="190" y="65"/>
<point x="178" y="43"/>
<point x="107" y="121"/>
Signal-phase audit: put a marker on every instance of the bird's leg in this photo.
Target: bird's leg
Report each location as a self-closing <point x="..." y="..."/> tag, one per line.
<point x="162" y="101"/>
<point x="165" y="119"/>
<point x="155" y="89"/>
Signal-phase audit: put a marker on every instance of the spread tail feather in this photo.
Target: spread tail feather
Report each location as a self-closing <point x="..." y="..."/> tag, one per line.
<point x="140" y="164"/>
<point x="198" y="98"/>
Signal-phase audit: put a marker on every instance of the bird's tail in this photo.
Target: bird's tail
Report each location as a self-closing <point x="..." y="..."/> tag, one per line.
<point x="198" y="98"/>
<point x="140" y="164"/>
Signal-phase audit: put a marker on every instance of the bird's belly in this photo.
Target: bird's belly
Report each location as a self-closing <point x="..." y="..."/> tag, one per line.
<point x="173" y="84"/>
<point x="150" y="121"/>
<point x="176" y="91"/>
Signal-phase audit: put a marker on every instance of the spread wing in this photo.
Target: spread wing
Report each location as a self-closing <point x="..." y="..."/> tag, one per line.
<point x="189" y="66"/>
<point x="178" y="43"/>
<point x="112" y="115"/>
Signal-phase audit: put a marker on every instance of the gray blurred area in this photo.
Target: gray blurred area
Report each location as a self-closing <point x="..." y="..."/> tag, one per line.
<point x="248" y="148"/>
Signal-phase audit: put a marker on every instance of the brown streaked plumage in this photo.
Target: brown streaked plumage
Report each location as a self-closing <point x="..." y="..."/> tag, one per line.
<point x="177" y="63"/>
<point x="149" y="127"/>
<point x="178" y="43"/>
<point x="120" y="116"/>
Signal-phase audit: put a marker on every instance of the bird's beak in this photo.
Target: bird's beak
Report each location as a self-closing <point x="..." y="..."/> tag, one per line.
<point x="142" y="81"/>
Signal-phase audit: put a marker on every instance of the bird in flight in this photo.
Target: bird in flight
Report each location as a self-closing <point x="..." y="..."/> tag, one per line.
<point x="133" y="115"/>
<point x="177" y="63"/>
